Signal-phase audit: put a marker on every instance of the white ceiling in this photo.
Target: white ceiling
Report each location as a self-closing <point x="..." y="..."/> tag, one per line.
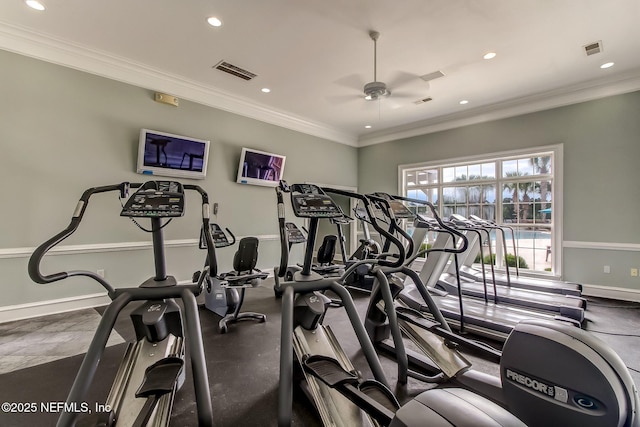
<point x="316" y="56"/>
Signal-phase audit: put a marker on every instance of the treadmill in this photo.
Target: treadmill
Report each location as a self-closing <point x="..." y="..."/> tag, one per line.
<point x="478" y="287"/>
<point x="537" y="284"/>
<point x="484" y="318"/>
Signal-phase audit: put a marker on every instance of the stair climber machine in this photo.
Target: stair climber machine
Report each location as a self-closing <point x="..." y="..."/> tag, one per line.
<point x="224" y="293"/>
<point x="153" y="368"/>
<point x="551" y="373"/>
<point x="339" y="393"/>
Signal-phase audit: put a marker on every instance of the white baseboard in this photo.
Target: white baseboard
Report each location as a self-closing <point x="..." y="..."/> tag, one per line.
<point x="44" y="308"/>
<point x="611" y="292"/>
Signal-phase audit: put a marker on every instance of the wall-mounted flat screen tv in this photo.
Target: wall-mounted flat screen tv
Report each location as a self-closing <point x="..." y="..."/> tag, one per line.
<point x="260" y="168"/>
<point x="166" y="154"/>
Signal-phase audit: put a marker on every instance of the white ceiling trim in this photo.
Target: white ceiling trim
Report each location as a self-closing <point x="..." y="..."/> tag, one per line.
<point x="50" y="49"/>
<point x="629" y="82"/>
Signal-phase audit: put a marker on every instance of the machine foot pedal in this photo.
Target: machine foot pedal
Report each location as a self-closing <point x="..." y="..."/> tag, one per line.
<point x="371" y="396"/>
<point x="159" y="379"/>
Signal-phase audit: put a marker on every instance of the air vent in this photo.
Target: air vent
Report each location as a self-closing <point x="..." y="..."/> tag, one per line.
<point x="423" y="100"/>
<point x="432" y="76"/>
<point x="593" y="48"/>
<point x="233" y="70"/>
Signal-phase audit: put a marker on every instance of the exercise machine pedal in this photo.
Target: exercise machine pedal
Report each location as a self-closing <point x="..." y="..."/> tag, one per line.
<point x="159" y="379"/>
<point x="370" y="395"/>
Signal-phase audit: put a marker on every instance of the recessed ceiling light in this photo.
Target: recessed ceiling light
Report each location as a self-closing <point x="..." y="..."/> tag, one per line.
<point x="214" y="22"/>
<point x="464" y="101"/>
<point x="489" y="55"/>
<point x="265" y="90"/>
<point x="34" y="4"/>
<point x="607" y="65"/>
<point x="367" y="127"/>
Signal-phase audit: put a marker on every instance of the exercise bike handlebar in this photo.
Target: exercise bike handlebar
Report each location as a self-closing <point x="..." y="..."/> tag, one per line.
<point x="38" y="254"/>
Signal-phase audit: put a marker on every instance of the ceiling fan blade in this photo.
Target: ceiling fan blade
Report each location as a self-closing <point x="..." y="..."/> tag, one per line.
<point x="407" y="95"/>
<point x="352" y="81"/>
<point x="401" y="78"/>
<point x="343" y="99"/>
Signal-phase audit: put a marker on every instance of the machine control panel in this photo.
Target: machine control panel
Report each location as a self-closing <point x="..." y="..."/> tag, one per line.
<point x="220" y="239"/>
<point x="400" y="211"/>
<point x="156" y="199"/>
<point x="294" y="235"/>
<point x="309" y="201"/>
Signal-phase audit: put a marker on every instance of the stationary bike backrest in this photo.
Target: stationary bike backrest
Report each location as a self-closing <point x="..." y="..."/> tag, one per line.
<point x="246" y="256"/>
<point x="327" y="251"/>
<point x="556" y="374"/>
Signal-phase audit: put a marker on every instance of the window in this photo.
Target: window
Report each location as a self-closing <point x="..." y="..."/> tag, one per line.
<point x="515" y="189"/>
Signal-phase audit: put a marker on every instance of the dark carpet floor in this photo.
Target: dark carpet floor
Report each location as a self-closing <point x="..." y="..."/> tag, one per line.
<point x="243" y="365"/>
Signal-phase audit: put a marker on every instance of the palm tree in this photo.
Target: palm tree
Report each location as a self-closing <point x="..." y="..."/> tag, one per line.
<point x="542" y="165"/>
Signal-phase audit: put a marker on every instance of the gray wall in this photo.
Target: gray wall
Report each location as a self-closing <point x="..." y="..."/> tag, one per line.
<point x="64" y="131"/>
<point x="601" y="141"/>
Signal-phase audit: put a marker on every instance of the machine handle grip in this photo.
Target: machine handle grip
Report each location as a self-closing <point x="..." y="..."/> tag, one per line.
<point x="387" y="235"/>
<point x="36" y="257"/>
<point x="284" y="240"/>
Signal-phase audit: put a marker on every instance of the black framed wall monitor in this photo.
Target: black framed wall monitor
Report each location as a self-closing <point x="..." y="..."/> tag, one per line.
<point x="166" y="154"/>
<point x="260" y="168"/>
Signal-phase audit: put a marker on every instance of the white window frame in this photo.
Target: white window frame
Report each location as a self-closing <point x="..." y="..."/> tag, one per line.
<point x="557" y="190"/>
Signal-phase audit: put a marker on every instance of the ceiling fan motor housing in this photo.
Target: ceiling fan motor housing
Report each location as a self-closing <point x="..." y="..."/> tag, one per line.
<point x="375" y="90"/>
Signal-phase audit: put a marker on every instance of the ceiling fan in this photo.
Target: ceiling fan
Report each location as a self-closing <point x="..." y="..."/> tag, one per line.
<point x="375" y="90"/>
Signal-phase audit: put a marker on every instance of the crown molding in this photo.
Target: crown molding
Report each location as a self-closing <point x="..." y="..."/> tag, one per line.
<point x="50" y="49"/>
<point x="587" y="91"/>
<point x="62" y="52"/>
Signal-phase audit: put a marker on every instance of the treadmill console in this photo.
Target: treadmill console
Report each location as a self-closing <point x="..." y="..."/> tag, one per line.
<point x="309" y="201"/>
<point x="156" y="199"/>
<point x="400" y="211"/>
<point x="423" y="221"/>
<point x="294" y="235"/>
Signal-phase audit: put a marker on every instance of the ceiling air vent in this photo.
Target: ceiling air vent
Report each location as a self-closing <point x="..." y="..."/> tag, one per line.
<point x="432" y="76"/>
<point x="423" y="100"/>
<point x="233" y="70"/>
<point x="593" y="48"/>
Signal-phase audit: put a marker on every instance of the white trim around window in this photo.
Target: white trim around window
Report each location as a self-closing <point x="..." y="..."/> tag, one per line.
<point x="557" y="188"/>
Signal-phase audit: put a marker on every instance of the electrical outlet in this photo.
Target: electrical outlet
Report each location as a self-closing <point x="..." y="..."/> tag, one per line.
<point x="215" y="209"/>
<point x="100" y="272"/>
<point x="634" y="272"/>
<point x="607" y="269"/>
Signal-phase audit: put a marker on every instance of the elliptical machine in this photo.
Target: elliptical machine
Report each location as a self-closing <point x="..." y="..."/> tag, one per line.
<point x="152" y="369"/>
<point x="224" y="293"/>
<point x="339" y="393"/>
<point x="551" y="373"/>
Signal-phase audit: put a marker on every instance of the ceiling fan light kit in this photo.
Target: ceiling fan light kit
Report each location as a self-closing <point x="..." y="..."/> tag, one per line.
<point x="375" y="90"/>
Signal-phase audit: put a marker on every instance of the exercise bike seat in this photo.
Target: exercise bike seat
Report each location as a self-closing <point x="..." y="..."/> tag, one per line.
<point x="239" y="280"/>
